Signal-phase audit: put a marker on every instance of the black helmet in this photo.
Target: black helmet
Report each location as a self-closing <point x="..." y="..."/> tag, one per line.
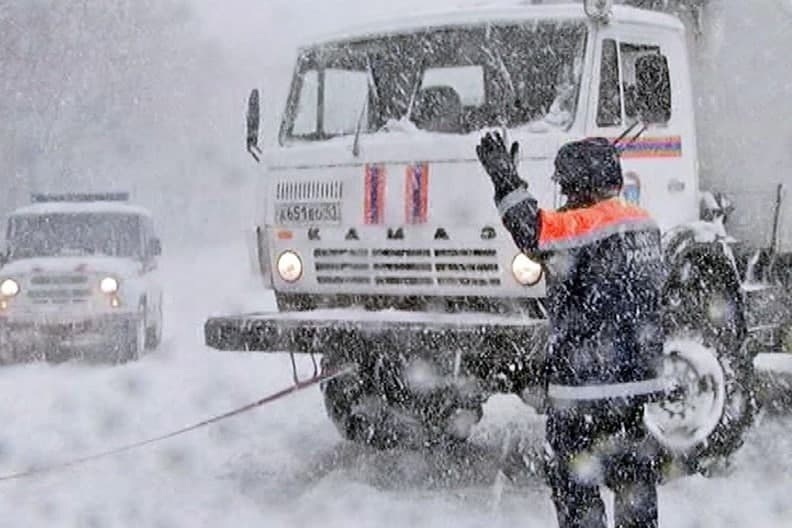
<point x="588" y="169"/>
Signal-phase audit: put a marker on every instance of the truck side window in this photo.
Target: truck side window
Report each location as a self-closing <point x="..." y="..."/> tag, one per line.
<point x="631" y="60"/>
<point x="609" y="109"/>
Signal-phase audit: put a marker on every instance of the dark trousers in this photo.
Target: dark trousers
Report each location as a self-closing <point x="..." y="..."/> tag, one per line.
<point x="601" y="445"/>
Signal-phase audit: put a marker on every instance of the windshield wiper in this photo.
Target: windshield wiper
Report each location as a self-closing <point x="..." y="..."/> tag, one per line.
<point x="358" y="128"/>
<point x="364" y="110"/>
<point x="416" y="89"/>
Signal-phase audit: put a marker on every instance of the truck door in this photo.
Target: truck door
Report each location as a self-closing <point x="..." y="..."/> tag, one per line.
<point x="659" y="161"/>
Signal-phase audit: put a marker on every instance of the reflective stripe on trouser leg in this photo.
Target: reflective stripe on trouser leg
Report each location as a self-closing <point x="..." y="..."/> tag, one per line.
<point x="607" y="391"/>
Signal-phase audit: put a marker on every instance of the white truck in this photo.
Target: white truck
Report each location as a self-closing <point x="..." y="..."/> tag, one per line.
<point x="379" y="236"/>
<point x="79" y="279"/>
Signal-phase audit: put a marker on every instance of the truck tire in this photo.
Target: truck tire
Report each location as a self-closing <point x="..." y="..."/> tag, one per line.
<point x="706" y="354"/>
<point x="383" y="414"/>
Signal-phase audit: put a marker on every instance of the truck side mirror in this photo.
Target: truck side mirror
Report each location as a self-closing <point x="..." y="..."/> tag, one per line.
<point x="653" y="89"/>
<point x="154" y="247"/>
<point x="3" y="253"/>
<point x="253" y="123"/>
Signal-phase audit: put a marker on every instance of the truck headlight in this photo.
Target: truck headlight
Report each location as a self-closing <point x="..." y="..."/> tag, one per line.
<point x="108" y="285"/>
<point x="526" y="271"/>
<point x="290" y="266"/>
<point x="9" y="288"/>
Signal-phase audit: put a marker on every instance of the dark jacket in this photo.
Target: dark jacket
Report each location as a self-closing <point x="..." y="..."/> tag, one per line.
<point x="604" y="277"/>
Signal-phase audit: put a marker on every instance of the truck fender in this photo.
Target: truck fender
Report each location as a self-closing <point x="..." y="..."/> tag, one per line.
<point x="707" y="238"/>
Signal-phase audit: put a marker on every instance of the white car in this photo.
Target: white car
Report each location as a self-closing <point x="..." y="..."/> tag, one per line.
<point x="79" y="279"/>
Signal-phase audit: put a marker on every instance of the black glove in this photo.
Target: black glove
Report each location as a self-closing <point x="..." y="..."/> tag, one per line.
<point x="500" y="163"/>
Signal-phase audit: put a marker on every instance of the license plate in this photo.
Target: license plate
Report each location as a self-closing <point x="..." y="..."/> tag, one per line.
<point x="308" y="213"/>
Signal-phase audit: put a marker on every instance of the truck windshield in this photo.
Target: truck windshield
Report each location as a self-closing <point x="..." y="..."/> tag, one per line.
<point x="69" y="234"/>
<point x="451" y="80"/>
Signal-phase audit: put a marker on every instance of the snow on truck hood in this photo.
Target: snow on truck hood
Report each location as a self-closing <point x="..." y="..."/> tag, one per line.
<point x="87" y="264"/>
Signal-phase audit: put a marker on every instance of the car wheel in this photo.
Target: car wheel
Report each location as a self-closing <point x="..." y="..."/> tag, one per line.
<point x="154" y="332"/>
<point x="131" y="343"/>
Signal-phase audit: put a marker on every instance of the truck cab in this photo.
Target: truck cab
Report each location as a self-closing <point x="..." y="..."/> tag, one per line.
<point x="374" y="196"/>
<point x="79" y="278"/>
<point x="377" y="225"/>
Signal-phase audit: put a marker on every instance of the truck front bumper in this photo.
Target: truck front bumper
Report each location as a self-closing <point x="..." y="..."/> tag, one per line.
<point x="322" y="331"/>
<point x="511" y="348"/>
<point x="506" y="350"/>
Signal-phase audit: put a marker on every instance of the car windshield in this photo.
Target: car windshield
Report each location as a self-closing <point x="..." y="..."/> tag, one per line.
<point x="67" y="234"/>
<point x="451" y="80"/>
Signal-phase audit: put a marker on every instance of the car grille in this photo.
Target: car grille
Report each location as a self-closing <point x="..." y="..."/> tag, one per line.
<point x="42" y="280"/>
<point x="473" y="267"/>
<point x="59" y="289"/>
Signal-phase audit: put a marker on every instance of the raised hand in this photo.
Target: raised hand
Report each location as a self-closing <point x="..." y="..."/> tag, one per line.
<point x="499" y="162"/>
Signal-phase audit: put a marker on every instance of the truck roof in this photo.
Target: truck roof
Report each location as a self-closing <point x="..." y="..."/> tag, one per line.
<point x="80" y="207"/>
<point x="494" y="13"/>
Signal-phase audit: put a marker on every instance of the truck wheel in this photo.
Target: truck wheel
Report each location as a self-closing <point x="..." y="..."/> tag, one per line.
<point x="705" y="356"/>
<point x="704" y="423"/>
<point x="365" y="411"/>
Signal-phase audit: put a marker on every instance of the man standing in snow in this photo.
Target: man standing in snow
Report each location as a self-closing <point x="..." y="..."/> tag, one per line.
<point x="604" y="274"/>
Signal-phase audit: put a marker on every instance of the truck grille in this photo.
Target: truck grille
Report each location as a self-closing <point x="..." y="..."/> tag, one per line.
<point x="59" y="289"/>
<point x="474" y="267"/>
<point x="307" y="191"/>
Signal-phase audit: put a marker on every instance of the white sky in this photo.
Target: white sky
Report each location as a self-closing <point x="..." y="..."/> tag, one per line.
<point x="261" y="37"/>
<point x="279" y="25"/>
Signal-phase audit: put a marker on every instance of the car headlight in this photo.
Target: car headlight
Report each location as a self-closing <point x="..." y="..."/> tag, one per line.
<point x="9" y="288"/>
<point x="108" y="285"/>
<point x="290" y="266"/>
<point x="526" y="271"/>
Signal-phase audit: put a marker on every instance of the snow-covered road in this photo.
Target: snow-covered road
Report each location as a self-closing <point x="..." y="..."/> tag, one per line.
<point x="284" y="464"/>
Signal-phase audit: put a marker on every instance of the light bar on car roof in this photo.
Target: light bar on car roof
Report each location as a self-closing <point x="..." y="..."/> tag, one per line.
<point x="80" y="197"/>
